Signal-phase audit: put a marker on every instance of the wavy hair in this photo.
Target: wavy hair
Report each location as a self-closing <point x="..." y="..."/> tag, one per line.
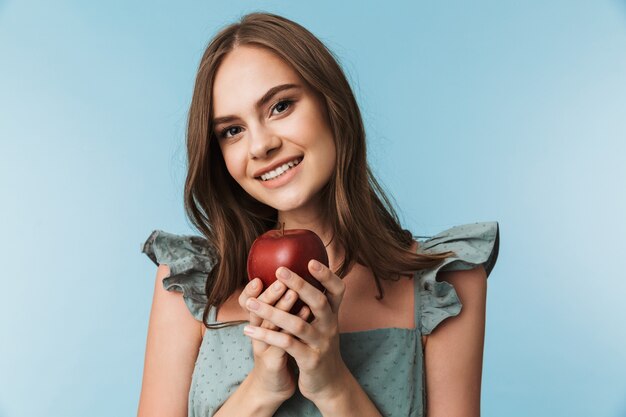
<point x="364" y="221"/>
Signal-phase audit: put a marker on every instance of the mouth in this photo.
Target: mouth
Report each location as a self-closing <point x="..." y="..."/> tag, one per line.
<point x="280" y="171"/>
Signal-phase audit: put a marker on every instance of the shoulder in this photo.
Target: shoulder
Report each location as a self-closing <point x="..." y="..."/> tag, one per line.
<point x="163" y="271"/>
<point x="184" y="263"/>
<point x="453" y="351"/>
<point x="469" y="284"/>
<point x="172" y="345"/>
<point x="473" y="244"/>
<point x="460" y="280"/>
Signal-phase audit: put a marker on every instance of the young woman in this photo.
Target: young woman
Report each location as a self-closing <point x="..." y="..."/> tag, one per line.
<point x="275" y="137"/>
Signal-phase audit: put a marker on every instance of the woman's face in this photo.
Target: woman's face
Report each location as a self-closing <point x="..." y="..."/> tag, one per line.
<point x="288" y="124"/>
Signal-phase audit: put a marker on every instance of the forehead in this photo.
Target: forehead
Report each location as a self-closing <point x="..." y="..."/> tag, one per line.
<point x="244" y="75"/>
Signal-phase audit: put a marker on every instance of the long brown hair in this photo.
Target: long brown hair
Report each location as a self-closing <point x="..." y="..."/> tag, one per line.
<point x="364" y="221"/>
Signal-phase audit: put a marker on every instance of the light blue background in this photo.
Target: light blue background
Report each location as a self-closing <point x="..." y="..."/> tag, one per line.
<point x="475" y="111"/>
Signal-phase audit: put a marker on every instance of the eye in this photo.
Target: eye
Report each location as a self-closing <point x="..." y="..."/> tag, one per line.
<point x="283" y="104"/>
<point x="224" y="133"/>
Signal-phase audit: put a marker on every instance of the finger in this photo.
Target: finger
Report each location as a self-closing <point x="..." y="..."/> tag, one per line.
<point x="288" y="322"/>
<point x="285" y="303"/>
<point x="252" y="289"/>
<point x="270" y="295"/>
<point x="273" y="293"/>
<point x="255" y="320"/>
<point x="287" y="300"/>
<point x="305" y="314"/>
<point x="314" y="298"/>
<point x="255" y="287"/>
<point x="273" y="296"/>
<point x="335" y="287"/>
<point x="281" y="340"/>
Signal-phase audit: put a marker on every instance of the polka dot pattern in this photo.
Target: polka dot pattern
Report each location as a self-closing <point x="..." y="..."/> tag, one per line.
<point x="190" y="259"/>
<point x="387" y="362"/>
<point x="474" y="244"/>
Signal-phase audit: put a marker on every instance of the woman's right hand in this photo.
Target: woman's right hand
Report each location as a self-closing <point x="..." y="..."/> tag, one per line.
<point x="271" y="373"/>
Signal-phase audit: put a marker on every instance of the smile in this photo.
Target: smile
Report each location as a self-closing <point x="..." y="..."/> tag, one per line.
<point x="281" y="175"/>
<point x="280" y="170"/>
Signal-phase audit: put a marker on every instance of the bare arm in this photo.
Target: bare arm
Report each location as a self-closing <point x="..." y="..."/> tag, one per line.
<point x="352" y="401"/>
<point x="454" y="350"/>
<point x="174" y="337"/>
<point x="247" y="400"/>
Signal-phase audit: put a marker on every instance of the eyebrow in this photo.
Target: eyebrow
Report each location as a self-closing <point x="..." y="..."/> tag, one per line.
<point x="262" y="101"/>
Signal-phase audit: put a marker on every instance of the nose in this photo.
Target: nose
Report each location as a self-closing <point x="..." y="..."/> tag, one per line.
<point x="262" y="141"/>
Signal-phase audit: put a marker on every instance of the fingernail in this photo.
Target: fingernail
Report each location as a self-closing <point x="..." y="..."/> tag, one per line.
<point x="283" y="273"/>
<point x="316" y="265"/>
<point x="278" y="286"/>
<point x="254" y="284"/>
<point x="253" y="305"/>
<point x="248" y="330"/>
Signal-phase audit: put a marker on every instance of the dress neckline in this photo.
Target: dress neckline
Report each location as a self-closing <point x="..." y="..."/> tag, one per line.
<point x="213" y="316"/>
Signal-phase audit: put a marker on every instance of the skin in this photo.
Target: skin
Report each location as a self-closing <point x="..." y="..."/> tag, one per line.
<point x="452" y="355"/>
<point x="254" y="138"/>
<point x="258" y="137"/>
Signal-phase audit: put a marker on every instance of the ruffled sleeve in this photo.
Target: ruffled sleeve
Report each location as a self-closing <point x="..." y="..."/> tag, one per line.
<point x="474" y="244"/>
<point x="190" y="259"/>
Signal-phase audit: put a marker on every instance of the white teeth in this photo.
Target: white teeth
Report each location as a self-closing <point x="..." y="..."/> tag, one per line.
<point x="280" y="170"/>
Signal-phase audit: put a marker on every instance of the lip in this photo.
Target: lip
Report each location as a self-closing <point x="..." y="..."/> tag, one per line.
<point x="272" y="167"/>
<point x="283" y="178"/>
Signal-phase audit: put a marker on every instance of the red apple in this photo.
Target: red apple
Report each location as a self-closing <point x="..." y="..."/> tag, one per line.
<point x="292" y="249"/>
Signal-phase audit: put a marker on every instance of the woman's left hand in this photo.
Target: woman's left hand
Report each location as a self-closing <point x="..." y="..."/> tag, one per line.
<point x="315" y="345"/>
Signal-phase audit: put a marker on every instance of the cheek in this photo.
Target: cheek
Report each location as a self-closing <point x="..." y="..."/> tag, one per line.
<point x="234" y="164"/>
<point x="294" y="128"/>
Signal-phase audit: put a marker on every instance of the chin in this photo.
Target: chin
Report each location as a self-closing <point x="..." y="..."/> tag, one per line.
<point x="286" y="206"/>
<point x="291" y="198"/>
<point x="287" y="203"/>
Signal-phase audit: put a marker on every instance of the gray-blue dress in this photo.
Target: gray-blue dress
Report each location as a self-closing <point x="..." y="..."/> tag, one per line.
<point x="387" y="362"/>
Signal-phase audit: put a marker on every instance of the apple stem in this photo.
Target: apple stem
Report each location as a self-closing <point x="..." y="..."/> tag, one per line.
<point x="282" y="228"/>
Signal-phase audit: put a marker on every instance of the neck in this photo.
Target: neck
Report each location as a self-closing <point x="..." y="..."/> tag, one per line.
<point x="323" y="230"/>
